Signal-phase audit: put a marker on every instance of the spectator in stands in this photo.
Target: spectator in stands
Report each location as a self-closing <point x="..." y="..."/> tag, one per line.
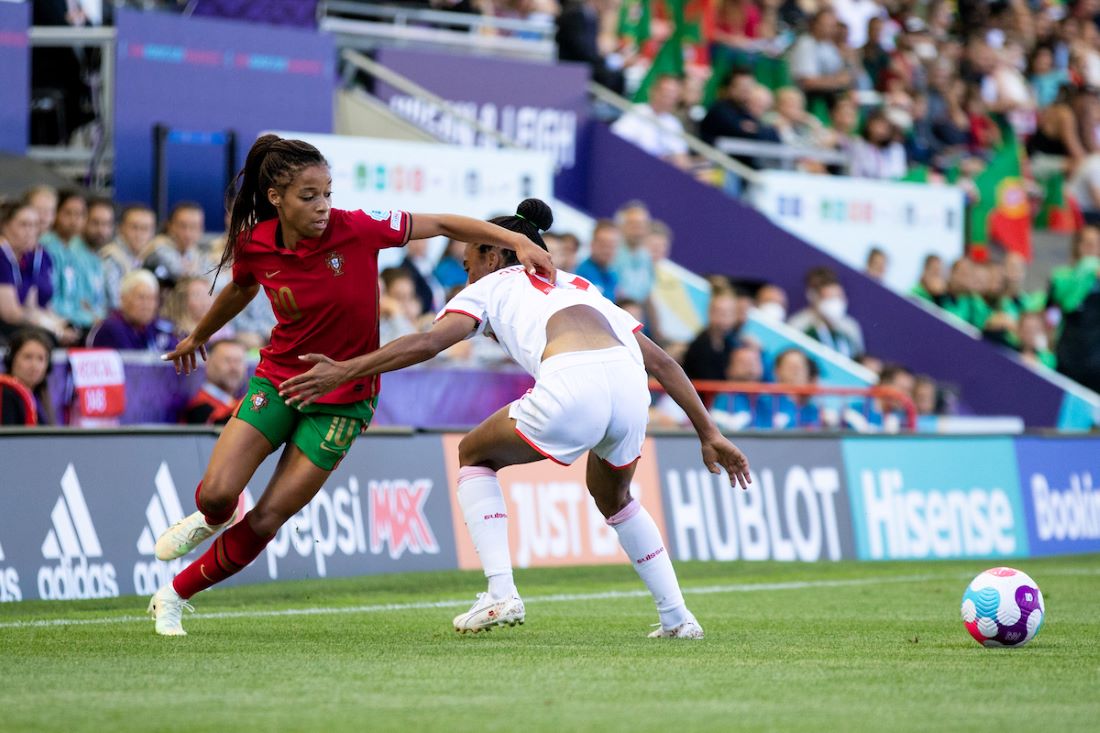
<point x="26" y="275"/>
<point x="742" y="24"/>
<point x="877" y="262"/>
<point x="99" y="228"/>
<point x="135" y="325"/>
<point x="860" y="16"/>
<point x="634" y="262"/>
<point x="188" y="303"/>
<point x="873" y="54"/>
<point x="843" y="123"/>
<point x="1084" y="186"/>
<point x="217" y="399"/>
<point x="826" y="319"/>
<point x="578" y="40"/>
<point x="450" y="271"/>
<point x="399" y="308"/>
<point x="1033" y="342"/>
<point x="793" y="368"/>
<point x="1057" y="133"/>
<point x="931" y="284"/>
<point x="926" y="395"/>
<point x="135" y="230"/>
<point x="771" y="303"/>
<point x="44" y="200"/>
<point x="653" y="125"/>
<point x="946" y="108"/>
<point x="175" y="254"/>
<point x="738" y="113"/>
<point x="78" y="290"/>
<point x="599" y="268"/>
<point x="737" y="410"/>
<point x="1044" y="77"/>
<point x="962" y="297"/>
<point x="816" y="62"/>
<point x="879" y="154"/>
<point x="796" y="126"/>
<point x="420" y="266"/>
<point x="887" y="413"/>
<point x="708" y="356"/>
<point x="563" y="248"/>
<point x="28" y="362"/>
<point x="1074" y="291"/>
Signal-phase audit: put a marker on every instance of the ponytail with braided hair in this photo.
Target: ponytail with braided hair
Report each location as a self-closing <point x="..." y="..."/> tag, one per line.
<point x="532" y="217"/>
<point x="272" y="162"/>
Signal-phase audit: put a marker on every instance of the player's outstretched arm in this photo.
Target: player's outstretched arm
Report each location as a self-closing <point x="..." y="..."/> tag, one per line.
<point x="230" y="301"/>
<point x="328" y="374"/>
<point x="717" y="450"/>
<point x="465" y="229"/>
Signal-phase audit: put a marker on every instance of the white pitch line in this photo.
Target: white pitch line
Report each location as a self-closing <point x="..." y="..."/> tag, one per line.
<point x="420" y="605"/>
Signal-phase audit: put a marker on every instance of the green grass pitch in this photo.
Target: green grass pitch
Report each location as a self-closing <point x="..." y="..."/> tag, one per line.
<point x="789" y="647"/>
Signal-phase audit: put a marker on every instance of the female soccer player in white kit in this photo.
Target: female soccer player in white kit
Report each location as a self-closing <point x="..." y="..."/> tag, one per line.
<point x="589" y="360"/>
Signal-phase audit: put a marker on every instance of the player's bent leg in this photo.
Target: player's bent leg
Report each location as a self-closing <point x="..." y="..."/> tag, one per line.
<point x="641" y="540"/>
<point x="295" y="482"/>
<point x="491" y="445"/>
<point x="239" y="451"/>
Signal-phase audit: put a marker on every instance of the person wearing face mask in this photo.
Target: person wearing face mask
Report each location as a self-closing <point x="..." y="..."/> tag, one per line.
<point x="826" y="319"/>
<point x="1075" y="292"/>
<point x="771" y="303"/>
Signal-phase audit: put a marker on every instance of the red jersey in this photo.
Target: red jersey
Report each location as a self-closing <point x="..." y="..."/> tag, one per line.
<point x="324" y="293"/>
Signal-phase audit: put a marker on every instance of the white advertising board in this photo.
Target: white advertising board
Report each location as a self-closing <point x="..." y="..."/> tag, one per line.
<point x="846" y="217"/>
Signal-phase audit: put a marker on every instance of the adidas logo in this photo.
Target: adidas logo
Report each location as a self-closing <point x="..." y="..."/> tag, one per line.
<point x="71" y="542"/>
<point x="9" y="582"/>
<point x="162" y="511"/>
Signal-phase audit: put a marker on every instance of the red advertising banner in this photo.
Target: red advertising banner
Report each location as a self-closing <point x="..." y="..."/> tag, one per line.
<point x="552" y="519"/>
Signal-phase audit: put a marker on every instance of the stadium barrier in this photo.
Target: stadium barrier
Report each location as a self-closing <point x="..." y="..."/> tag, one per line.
<point x="82" y="509"/>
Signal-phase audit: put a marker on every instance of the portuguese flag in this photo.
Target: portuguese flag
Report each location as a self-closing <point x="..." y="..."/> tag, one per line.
<point x="1001" y="215"/>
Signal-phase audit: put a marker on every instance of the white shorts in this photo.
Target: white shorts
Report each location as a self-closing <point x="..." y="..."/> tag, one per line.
<point x="586" y="400"/>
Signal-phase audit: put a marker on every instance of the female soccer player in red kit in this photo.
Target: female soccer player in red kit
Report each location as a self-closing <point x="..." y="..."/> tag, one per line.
<point x="591" y="395"/>
<point x="319" y="268"/>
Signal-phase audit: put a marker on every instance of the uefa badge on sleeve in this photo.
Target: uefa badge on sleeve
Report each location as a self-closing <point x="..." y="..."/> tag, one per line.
<point x="335" y="262"/>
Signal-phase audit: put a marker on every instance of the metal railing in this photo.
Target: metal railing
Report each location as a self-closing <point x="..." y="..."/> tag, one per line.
<point x="782" y="153"/>
<point x="708" y="153"/>
<point x="372" y="68"/>
<point x="372" y="26"/>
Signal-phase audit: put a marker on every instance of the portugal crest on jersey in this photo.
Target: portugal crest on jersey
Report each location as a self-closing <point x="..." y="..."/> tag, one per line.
<point x="335" y="262"/>
<point x="258" y="401"/>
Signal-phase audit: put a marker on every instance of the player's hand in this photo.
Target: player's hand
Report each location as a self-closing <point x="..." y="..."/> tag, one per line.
<point x="184" y="355"/>
<point x="535" y="259"/>
<point x="719" y="452"/>
<point x="324" y="377"/>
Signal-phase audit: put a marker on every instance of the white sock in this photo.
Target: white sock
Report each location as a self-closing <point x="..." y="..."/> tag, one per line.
<point x="641" y="540"/>
<point x="486" y="517"/>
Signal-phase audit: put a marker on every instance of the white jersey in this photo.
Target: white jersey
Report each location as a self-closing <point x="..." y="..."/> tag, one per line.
<point x="514" y="307"/>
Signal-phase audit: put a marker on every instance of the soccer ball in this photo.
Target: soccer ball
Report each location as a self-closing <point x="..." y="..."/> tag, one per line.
<point x="1003" y="607"/>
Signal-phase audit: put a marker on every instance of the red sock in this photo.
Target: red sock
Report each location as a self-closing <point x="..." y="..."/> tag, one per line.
<point x="231" y="552"/>
<point x="210" y="518"/>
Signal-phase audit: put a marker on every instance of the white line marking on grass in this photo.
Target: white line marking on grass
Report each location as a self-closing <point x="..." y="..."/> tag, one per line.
<point x="421" y="605"/>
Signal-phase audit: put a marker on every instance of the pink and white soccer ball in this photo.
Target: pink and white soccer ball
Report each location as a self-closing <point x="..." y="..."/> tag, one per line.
<point x="1003" y="607"/>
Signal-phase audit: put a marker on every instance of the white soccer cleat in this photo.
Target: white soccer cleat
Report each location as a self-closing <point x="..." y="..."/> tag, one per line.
<point x="187" y="534"/>
<point x="488" y="612"/>
<point x="690" y="629"/>
<point x="166" y="608"/>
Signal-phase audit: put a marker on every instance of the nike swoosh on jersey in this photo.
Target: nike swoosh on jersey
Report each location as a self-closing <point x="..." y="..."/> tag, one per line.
<point x="272" y="274"/>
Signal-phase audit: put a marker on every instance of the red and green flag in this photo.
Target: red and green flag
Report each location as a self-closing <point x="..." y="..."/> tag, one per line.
<point x="1002" y="214"/>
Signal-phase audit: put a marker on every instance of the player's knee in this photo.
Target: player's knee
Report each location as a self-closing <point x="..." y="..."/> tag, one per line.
<point x="266" y="521"/>
<point x="218" y="492"/>
<point x="467" y="454"/>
